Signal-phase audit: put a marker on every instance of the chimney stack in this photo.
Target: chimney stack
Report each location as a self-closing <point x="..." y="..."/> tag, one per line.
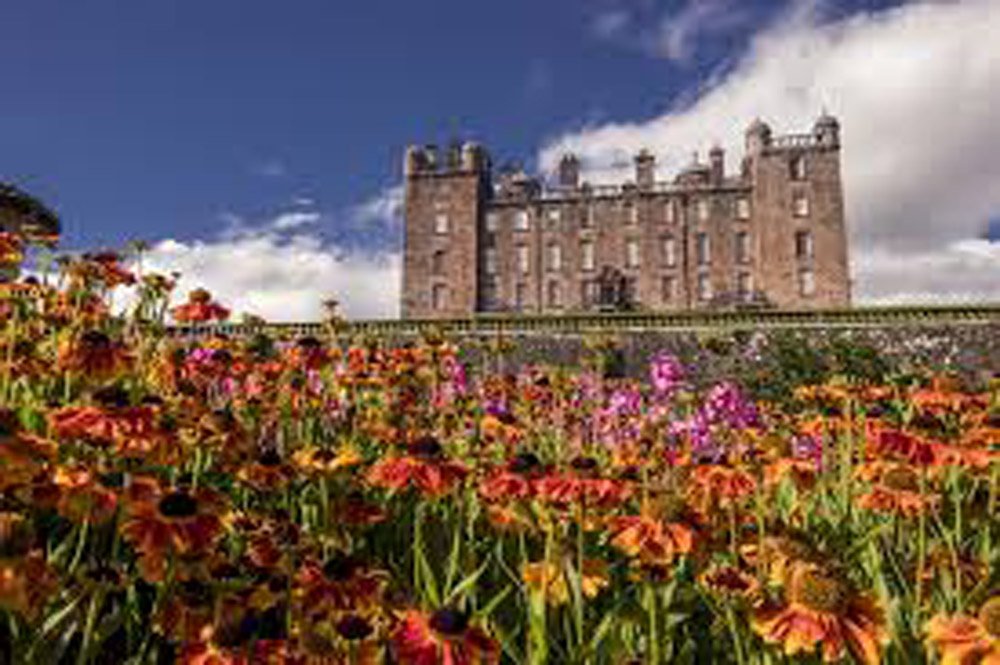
<point x="645" y="169"/>
<point x="569" y="171"/>
<point x="717" y="160"/>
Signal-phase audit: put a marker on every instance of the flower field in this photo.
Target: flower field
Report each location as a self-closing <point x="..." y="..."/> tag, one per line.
<point x="306" y="501"/>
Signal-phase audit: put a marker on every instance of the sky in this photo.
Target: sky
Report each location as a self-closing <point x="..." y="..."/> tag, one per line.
<point x="256" y="145"/>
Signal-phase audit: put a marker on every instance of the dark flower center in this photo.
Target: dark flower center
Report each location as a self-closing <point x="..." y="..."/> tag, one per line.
<point x="340" y="568"/>
<point x="426" y="447"/>
<point x="194" y="594"/>
<point x="95" y="339"/>
<point x="901" y="478"/>
<point x="270" y="457"/>
<point x="308" y="343"/>
<point x="112" y="397"/>
<point x="178" y="504"/>
<point x="324" y="456"/>
<point x="523" y="462"/>
<point x="819" y="591"/>
<point x="584" y="463"/>
<point x="450" y="621"/>
<point x="354" y="628"/>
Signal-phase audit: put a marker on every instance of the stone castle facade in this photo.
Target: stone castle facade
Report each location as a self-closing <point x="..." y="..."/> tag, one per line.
<point x="772" y="234"/>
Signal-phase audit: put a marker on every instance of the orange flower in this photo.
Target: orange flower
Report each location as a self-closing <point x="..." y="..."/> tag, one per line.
<point x="716" y="486"/>
<point x="425" y="470"/>
<point x="26" y="583"/>
<point x="444" y="637"/>
<point x="93" y="355"/>
<point x="652" y="540"/>
<point x="802" y="473"/>
<point x="82" y="498"/>
<point x="164" y="521"/>
<point x="199" y="309"/>
<point x="11" y="248"/>
<point x="964" y="640"/>
<point x="730" y="581"/>
<point x="550" y="579"/>
<point x="342" y="583"/>
<point x="323" y="461"/>
<point x="896" y="490"/>
<point x="820" y="612"/>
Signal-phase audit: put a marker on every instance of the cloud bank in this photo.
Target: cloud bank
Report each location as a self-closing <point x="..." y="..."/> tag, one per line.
<point x="914" y="87"/>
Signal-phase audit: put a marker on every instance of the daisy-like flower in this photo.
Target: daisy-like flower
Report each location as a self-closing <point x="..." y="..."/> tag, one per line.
<point x="715" y="486"/>
<point x="163" y="522"/>
<point x="513" y="481"/>
<point x="325" y="461"/>
<point x="267" y="472"/>
<point x="93" y="355"/>
<point x="650" y="539"/>
<point x="11" y="248"/>
<point x="425" y="469"/>
<point x="341" y="639"/>
<point x="341" y="583"/>
<point x="549" y="578"/>
<point x="443" y="638"/>
<point x="896" y="490"/>
<point x="200" y="308"/>
<point x="966" y="640"/>
<point x="82" y="497"/>
<point x="821" y="613"/>
<point x="26" y="582"/>
<point x="730" y="582"/>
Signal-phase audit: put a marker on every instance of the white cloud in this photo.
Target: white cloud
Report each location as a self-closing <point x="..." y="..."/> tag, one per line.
<point x="385" y="208"/>
<point x="914" y="87"/>
<point x="678" y="33"/>
<point x="610" y="24"/>
<point x="282" y="272"/>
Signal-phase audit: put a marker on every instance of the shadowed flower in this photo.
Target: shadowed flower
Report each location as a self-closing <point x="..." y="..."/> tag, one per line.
<point x="93" y="355"/>
<point x="444" y="637"/>
<point x="730" y="582"/>
<point x="965" y="640"/>
<point x="26" y="584"/>
<point x="342" y="583"/>
<point x="820" y="612"/>
<point x="650" y="539"/>
<point x="163" y="522"/>
<point x="425" y="469"/>
<point x="82" y="498"/>
<point x="551" y="580"/>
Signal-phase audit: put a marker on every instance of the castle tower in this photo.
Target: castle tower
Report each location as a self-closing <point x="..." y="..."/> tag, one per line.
<point x="443" y="209"/>
<point x="798" y="216"/>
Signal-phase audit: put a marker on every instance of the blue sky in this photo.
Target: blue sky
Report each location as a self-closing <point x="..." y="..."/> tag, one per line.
<point x="173" y="120"/>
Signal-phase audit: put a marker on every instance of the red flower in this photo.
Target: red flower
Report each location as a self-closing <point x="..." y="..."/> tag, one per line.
<point x="444" y="638"/>
<point x="342" y="583"/>
<point x="199" y="309"/>
<point x="425" y="470"/>
<point x="82" y="498"/>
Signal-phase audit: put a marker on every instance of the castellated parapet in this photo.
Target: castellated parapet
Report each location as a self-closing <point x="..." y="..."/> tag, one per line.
<point x="772" y="235"/>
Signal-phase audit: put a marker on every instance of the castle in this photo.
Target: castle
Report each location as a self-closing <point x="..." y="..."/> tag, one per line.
<point x="772" y="235"/>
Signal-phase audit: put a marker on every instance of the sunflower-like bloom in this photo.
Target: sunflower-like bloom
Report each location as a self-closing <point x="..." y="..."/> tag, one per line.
<point x="93" y="355"/>
<point x="82" y="497"/>
<point x="324" y="461"/>
<point x="444" y="637"/>
<point x="965" y="640"/>
<point x="342" y="583"/>
<point x="163" y="522"/>
<point x="820" y="612"/>
<point x="550" y="579"/>
<point x="717" y="486"/>
<point x="425" y="469"/>
<point x="730" y="582"/>
<point x="340" y="639"/>
<point x="22" y="457"/>
<point x="200" y="308"/>
<point x="650" y="539"/>
<point x="11" y="249"/>
<point x="26" y="582"/>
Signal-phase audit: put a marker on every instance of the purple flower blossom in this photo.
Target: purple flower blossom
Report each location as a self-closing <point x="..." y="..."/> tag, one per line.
<point x="666" y="373"/>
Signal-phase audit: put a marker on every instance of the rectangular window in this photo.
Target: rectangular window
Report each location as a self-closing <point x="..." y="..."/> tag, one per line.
<point x="704" y="286"/>
<point x="554" y="258"/>
<point x="523" y="260"/>
<point x="803" y="245"/>
<point x="554" y="215"/>
<point x="490" y="261"/>
<point x="703" y="210"/>
<point x="588" y="292"/>
<point x="703" y="249"/>
<point x="742" y="247"/>
<point x="492" y="222"/>
<point x="800" y="205"/>
<point x="587" y="261"/>
<point x="742" y="208"/>
<point x="441" y="223"/>
<point x="521" y="220"/>
<point x="669" y="213"/>
<point x="807" y="282"/>
<point x="669" y="252"/>
<point x="554" y="294"/>
<point x="632" y="254"/>
<point x="744" y="285"/>
<point x="632" y="214"/>
<point x="439" y="296"/>
<point x="489" y="294"/>
<point x="590" y="216"/>
<point x="668" y="287"/>
<point x="437" y="262"/>
<point x="520" y="296"/>
<point x="797" y="168"/>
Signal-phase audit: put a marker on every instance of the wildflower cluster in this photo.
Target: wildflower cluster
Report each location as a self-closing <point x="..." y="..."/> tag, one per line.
<point x="302" y="501"/>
